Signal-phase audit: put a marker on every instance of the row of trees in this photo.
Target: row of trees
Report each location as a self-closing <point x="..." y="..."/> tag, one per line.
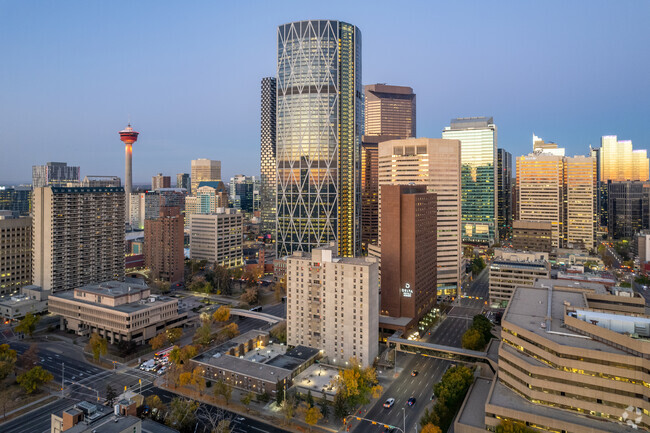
<point x="217" y="280"/>
<point x="32" y="377"/>
<point x="355" y="386"/>
<point x="204" y="335"/>
<point x="450" y="392"/>
<point x="478" y="335"/>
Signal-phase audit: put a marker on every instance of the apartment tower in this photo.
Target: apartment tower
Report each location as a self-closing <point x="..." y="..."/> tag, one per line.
<point x="204" y="170"/>
<point x="267" y="161"/>
<point x="159" y="181"/>
<point x="217" y="237"/>
<point x="54" y="174"/>
<point x="478" y="138"/>
<point x="15" y="252"/>
<point x="434" y="163"/>
<point x="319" y="124"/>
<point x="78" y="236"/>
<point x="504" y="193"/>
<point x="164" y="245"/>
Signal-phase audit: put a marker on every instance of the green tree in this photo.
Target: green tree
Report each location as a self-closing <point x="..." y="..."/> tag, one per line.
<point x="472" y="340"/>
<point x="110" y="395"/>
<point x="478" y="264"/>
<point x="483" y="325"/>
<point x="279" y="393"/>
<point x="174" y="334"/>
<point x="310" y="399"/>
<point x="513" y="427"/>
<point x="340" y="405"/>
<point x="450" y="392"/>
<point x="289" y="407"/>
<point x="279" y="332"/>
<point x="625" y="284"/>
<point x="27" y="324"/>
<point x="223" y="389"/>
<point x="8" y="360"/>
<point x="182" y="414"/>
<point x="246" y="399"/>
<point x="33" y="379"/>
<point x="324" y="405"/>
<point x="98" y="346"/>
<point x="203" y="334"/>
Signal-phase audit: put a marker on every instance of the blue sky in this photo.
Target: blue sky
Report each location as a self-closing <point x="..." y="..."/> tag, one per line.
<point x="188" y="74"/>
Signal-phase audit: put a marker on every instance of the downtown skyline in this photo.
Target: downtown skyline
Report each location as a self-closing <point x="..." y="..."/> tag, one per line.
<point x="563" y="72"/>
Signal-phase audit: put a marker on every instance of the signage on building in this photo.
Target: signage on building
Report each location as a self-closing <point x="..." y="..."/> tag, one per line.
<point x="407" y="292"/>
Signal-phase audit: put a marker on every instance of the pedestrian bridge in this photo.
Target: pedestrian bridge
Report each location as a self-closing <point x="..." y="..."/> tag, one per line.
<point x="256" y="315"/>
<point x="449" y="353"/>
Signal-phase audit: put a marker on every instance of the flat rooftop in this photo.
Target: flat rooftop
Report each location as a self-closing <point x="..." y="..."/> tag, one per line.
<point x="317" y="378"/>
<point x="528" y="309"/>
<point x="113" y="289"/>
<point x="474" y="411"/>
<point x="549" y="282"/>
<point x="503" y="396"/>
<point x="124" y="308"/>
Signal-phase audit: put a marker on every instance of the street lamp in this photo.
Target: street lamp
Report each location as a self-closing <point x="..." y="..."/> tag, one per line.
<point x="404" y="417"/>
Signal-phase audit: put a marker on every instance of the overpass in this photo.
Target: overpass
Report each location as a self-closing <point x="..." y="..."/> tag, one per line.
<point x="446" y="352"/>
<point x="256" y="315"/>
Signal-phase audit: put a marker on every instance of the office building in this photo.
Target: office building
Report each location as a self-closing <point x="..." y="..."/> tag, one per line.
<point x="267" y="161"/>
<point x="643" y="247"/>
<point x="408" y="251"/>
<point x="163" y="245"/>
<point x="540" y="146"/>
<point x="511" y="269"/>
<point x="390" y="111"/>
<point x="436" y="164"/>
<point x="333" y="304"/>
<point x="78" y="236"/>
<point x="54" y="174"/>
<point x="319" y="125"/>
<point x="389" y="115"/>
<point x="16" y="199"/>
<point x="540" y="189"/>
<point x="628" y="208"/>
<point x="159" y="181"/>
<point x="620" y="162"/>
<point x="115" y="310"/>
<point x="30" y="299"/>
<point x="147" y="205"/>
<point x="504" y="193"/>
<point x="204" y="170"/>
<point x="217" y="237"/>
<point x="532" y="235"/>
<point x="580" y="200"/>
<point x="478" y="144"/>
<point x="183" y="181"/>
<point x="15" y="252"/>
<point x="241" y="192"/>
<point x="208" y="197"/>
<point x="601" y="189"/>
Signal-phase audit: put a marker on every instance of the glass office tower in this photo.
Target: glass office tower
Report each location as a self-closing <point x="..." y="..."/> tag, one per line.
<point x="478" y="146"/>
<point x="319" y="125"/>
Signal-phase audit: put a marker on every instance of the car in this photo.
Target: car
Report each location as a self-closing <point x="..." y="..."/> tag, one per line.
<point x="389" y="403"/>
<point x="433" y="396"/>
<point x="240" y="418"/>
<point x="414" y="373"/>
<point x="411" y="401"/>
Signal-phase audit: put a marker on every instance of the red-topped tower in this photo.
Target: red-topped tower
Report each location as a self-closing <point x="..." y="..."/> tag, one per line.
<point x="128" y="136"/>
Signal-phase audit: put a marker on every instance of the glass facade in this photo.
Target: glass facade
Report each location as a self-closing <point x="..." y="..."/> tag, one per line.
<point x="267" y="144"/>
<point x="504" y="188"/>
<point x="318" y="132"/>
<point x="478" y="138"/>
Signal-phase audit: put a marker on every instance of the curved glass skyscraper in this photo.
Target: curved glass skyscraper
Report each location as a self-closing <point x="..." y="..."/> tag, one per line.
<point x="319" y="126"/>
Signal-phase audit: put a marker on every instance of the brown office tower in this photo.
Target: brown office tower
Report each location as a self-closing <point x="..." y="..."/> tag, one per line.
<point x="163" y="245"/>
<point x="390" y="115"/>
<point x="532" y="235"/>
<point x="408" y="255"/>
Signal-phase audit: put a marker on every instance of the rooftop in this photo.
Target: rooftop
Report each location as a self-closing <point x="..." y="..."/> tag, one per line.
<point x="113" y="288"/>
<point x="317" y="379"/>
<point x="473" y="413"/>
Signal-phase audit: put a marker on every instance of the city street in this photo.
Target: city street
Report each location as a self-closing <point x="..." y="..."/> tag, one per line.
<point x="405" y="386"/>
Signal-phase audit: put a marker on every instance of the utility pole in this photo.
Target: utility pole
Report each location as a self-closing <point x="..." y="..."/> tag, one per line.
<point x="62" y="378"/>
<point x="404" y="417"/>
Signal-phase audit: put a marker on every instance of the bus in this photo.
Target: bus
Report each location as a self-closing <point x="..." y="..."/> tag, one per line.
<point x="163" y="354"/>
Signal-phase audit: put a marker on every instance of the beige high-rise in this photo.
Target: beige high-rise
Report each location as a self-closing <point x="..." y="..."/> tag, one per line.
<point x="436" y="163"/>
<point x="204" y="170"/>
<point x="333" y="304"/>
<point x="390" y="110"/>
<point x="79" y="236"/>
<point x="620" y="162"/>
<point x="15" y="252"/>
<point x="217" y="237"/>
<point x="580" y="190"/>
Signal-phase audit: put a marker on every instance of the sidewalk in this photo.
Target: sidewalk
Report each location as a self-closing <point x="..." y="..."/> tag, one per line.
<point x="35" y="402"/>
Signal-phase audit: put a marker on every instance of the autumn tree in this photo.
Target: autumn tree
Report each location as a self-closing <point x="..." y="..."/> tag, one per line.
<point x="98" y="346"/>
<point x="33" y="379"/>
<point x="174" y="334"/>
<point x="250" y="296"/>
<point x="8" y="359"/>
<point x="472" y="340"/>
<point x="27" y="324"/>
<point x="223" y="389"/>
<point x="222" y="314"/>
<point x="182" y="414"/>
<point x="156" y="405"/>
<point x="279" y="332"/>
<point x="289" y="407"/>
<point x="230" y="331"/>
<point x="280" y="289"/>
<point x="29" y="358"/>
<point x="246" y="400"/>
<point x="513" y="427"/>
<point x="250" y="277"/>
<point x="203" y="335"/>
<point x="312" y="416"/>
<point x="431" y="428"/>
<point x="358" y="384"/>
<point x="158" y="341"/>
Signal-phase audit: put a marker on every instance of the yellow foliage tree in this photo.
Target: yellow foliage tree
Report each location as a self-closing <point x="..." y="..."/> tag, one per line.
<point x="312" y="416"/>
<point x="174" y="334"/>
<point x="158" y="341"/>
<point x="185" y="379"/>
<point x="431" y="428"/>
<point x="222" y="314"/>
<point x="231" y="330"/>
<point x="98" y="345"/>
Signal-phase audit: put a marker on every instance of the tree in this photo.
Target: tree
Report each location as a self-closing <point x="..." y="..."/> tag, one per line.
<point x="250" y="296"/>
<point x="126" y="347"/>
<point x="222" y="314"/>
<point x="199" y="284"/>
<point x="8" y="395"/>
<point x="155" y="405"/>
<point x="279" y="332"/>
<point x="280" y="289"/>
<point x="450" y="392"/>
<point x="324" y="405"/>
<point x="29" y="358"/>
<point x="468" y="251"/>
<point x="472" y="340"/>
<point x="289" y="407"/>
<point x="98" y="345"/>
<point x="357" y="384"/>
<point x="246" y="399"/>
<point x="312" y="416"/>
<point x="162" y="286"/>
<point x="625" y="284"/>
<point x="310" y="399"/>
<point x="34" y="378"/>
<point x="223" y="389"/>
<point x="250" y="277"/>
<point x="279" y="393"/>
<point x="198" y="381"/>
<point x="430" y="428"/>
<point x="203" y="334"/>
<point x="182" y="414"/>
<point x="27" y="324"/>
<point x="174" y="334"/>
<point x="158" y="341"/>
<point x="223" y="426"/>
<point x="8" y="359"/>
<point x="513" y="427"/>
<point x="230" y="331"/>
<point x="478" y="264"/>
<point x="340" y="405"/>
<point x="110" y="395"/>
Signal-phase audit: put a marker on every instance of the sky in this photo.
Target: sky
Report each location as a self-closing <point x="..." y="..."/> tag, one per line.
<point x="187" y="75"/>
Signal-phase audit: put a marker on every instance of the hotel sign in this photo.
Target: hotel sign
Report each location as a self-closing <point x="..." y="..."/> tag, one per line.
<point x="407" y="292"/>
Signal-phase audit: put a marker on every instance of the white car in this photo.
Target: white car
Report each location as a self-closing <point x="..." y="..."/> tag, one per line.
<point x="389" y="403"/>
